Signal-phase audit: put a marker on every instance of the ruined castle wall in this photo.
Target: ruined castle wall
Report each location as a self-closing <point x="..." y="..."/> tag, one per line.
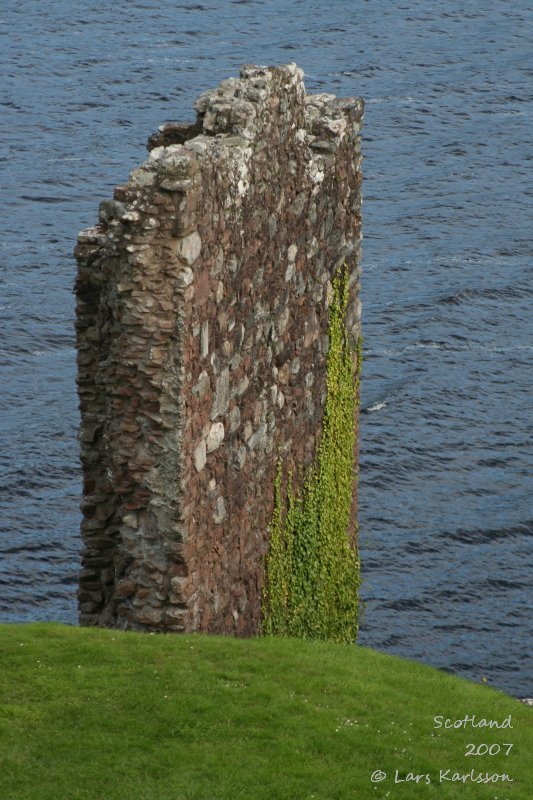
<point x="202" y="338"/>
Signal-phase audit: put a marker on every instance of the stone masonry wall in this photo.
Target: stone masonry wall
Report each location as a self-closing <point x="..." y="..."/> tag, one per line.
<point x="202" y="338"/>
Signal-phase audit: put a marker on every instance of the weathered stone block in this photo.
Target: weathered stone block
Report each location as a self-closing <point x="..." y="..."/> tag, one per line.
<point x="189" y="248"/>
<point x="215" y="437"/>
<point x="200" y="456"/>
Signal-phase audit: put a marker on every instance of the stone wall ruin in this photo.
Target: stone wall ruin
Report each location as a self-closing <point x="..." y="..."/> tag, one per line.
<point x="202" y="338"/>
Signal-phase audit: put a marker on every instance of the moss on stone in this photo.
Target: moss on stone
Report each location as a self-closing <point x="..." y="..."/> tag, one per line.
<point x="312" y="568"/>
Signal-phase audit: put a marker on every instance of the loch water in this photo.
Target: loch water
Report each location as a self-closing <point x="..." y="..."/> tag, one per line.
<point x="445" y="497"/>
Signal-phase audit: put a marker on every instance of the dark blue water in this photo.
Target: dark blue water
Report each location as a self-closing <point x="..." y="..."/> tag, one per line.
<point x="446" y="519"/>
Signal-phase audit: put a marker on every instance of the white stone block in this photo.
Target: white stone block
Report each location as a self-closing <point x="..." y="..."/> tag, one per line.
<point x="200" y="456"/>
<point x="189" y="248"/>
<point x="215" y="437"/>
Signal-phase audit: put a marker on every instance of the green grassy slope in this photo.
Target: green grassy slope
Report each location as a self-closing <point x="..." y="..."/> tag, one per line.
<point x="93" y="714"/>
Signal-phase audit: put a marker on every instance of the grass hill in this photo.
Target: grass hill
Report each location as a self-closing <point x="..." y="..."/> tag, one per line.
<point x="88" y="714"/>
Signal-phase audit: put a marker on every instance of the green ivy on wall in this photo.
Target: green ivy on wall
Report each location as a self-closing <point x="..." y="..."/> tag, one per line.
<point x="312" y="569"/>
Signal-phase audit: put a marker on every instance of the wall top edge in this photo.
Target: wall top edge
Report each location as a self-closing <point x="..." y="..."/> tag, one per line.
<point x="236" y="112"/>
<point x="234" y="122"/>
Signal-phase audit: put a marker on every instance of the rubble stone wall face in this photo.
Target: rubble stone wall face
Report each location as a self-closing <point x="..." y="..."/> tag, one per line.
<point x="202" y="338"/>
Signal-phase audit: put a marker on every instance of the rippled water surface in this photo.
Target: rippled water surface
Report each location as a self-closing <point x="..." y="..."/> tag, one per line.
<point x="446" y="523"/>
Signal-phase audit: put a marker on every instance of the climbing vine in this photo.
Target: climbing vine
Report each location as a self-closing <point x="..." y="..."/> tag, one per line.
<point x="312" y="569"/>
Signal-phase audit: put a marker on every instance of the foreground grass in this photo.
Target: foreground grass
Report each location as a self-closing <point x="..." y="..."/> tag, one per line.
<point x="92" y="714"/>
